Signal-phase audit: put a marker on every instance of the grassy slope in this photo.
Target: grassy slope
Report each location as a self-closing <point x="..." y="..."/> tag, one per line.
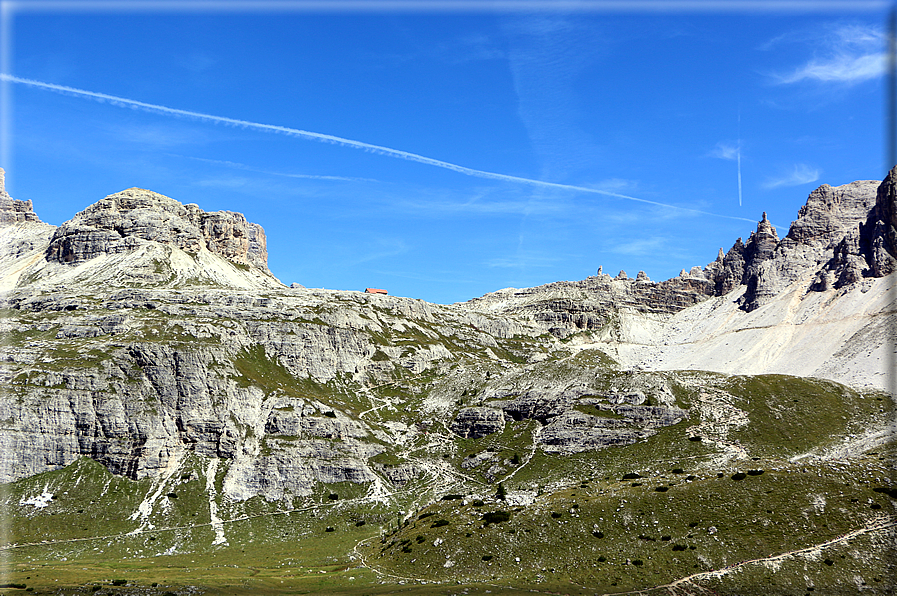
<point x="789" y="506"/>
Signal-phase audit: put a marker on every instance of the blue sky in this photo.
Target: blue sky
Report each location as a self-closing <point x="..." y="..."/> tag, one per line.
<point x="473" y="150"/>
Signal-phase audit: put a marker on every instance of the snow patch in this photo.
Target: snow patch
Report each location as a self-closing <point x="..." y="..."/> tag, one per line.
<point x="39" y="502"/>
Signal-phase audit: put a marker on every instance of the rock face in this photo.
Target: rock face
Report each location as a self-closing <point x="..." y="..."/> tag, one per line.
<point x="881" y="229"/>
<point x="11" y="210"/>
<point x="143" y="332"/>
<point x="123" y="221"/>
<point x="842" y="235"/>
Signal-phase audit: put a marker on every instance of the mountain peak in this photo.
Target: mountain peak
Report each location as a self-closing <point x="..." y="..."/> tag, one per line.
<point x="126" y="219"/>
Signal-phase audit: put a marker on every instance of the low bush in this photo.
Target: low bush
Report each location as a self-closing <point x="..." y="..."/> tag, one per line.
<point x="487" y="557"/>
<point x="739" y="476"/>
<point x="439" y="523"/>
<point x="452" y="497"/>
<point x="631" y="476"/>
<point x="495" y="517"/>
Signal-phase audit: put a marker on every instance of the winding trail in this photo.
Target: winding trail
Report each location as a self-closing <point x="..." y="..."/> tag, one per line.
<point x="683" y="586"/>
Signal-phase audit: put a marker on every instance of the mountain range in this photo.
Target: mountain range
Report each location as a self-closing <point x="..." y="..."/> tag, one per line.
<point x="175" y="419"/>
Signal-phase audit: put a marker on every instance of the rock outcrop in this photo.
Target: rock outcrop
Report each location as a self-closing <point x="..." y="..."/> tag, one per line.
<point x="881" y="229"/>
<point x="123" y="221"/>
<point x="11" y="210"/>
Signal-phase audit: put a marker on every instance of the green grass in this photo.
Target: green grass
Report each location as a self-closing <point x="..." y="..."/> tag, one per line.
<point x="791" y="415"/>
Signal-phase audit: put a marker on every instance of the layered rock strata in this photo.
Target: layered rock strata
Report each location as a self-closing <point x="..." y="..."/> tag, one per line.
<point x="123" y="221"/>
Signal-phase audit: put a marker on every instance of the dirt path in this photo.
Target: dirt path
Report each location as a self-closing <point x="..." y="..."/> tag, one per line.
<point x="687" y="583"/>
<point x="684" y="586"/>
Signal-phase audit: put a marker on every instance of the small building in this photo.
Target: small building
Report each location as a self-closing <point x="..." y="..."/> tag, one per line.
<point x="374" y="291"/>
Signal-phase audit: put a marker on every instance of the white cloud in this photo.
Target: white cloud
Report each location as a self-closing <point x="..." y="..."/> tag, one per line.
<point x="643" y="246"/>
<point x="847" y="54"/>
<point x="724" y="151"/>
<point x="800" y="174"/>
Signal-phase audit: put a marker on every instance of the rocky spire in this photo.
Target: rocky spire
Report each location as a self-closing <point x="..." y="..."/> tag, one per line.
<point x="11" y="210"/>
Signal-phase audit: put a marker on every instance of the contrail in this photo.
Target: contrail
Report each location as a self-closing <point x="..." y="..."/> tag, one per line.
<point x="325" y="138"/>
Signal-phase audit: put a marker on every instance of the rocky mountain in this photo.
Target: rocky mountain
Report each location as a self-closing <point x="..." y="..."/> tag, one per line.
<point x="148" y="352"/>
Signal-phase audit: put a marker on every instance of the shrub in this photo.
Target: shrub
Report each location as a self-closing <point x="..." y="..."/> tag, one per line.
<point x="636" y="484"/>
<point x="420" y="539"/>
<point x="495" y="517"/>
<point x="696" y="439"/>
<point x="662" y="489"/>
<point x="500" y="495"/>
<point x="516" y="459"/>
<point x="598" y="534"/>
<point x="555" y="515"/>
<point x="602" y="559"/>
<point x="739" y="476"/>
<point x="172" y="495"/>
<point x="333" y="497"/>
<point x="360" y="522"/>
<point x="119" y="582"/>
<point x="422" y="516"/>
<point x="754" y="472"/>
<point x="631" y="476"/>
<point x="330" y="529"/>
<point x="406" y="549"/>
<point x="16" y="586"/>
<point x="330" y="414"/>
<point x="678" y="471"/>
<point x="487" y="557"/>
<point x="891" y="492"/>
<point x="452" y="497"/>
<point x="439" y="523"/>
<point x="637" y="562"/>
<point x="666" y="538"/>
<point x="679" y="547"/>
<point x="478" y="503"/>
<point x="829" y="562"/>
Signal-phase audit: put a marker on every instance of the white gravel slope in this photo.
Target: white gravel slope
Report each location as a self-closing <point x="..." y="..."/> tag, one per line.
<point x="845" y="335"/>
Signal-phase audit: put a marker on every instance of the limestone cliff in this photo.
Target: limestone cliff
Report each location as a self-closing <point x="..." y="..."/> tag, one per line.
<point x="144" y="330"/>
<point x="124" y="220"/>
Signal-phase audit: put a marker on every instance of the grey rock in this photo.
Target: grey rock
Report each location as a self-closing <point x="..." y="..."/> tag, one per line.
<point x="128" y="219"/>
<point x="473" y="423"/>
